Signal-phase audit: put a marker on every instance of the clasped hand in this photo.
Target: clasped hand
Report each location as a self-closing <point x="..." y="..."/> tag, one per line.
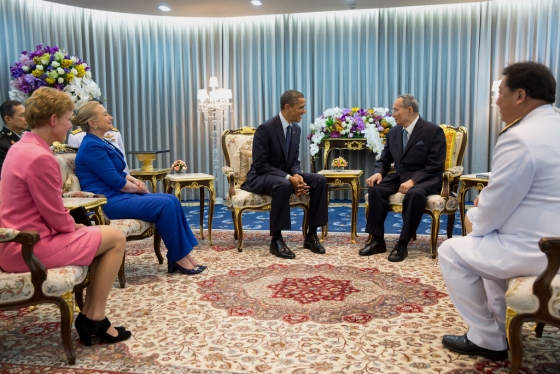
<point x="142" y="189"/>
<point x="298" y="185"/>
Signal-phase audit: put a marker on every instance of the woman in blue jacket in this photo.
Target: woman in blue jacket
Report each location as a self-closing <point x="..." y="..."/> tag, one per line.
<point x="100" y="169"/>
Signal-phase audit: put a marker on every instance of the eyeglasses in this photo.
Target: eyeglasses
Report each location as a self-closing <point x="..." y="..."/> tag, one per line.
<point x="396" y="110"/>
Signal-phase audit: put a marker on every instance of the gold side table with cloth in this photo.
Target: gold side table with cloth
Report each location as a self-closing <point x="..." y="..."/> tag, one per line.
<point x="147" y="172"/>
<point x="91" y="204"/>
<point x="468" y="181"/>
<point x="337" y="179"/>
<point x="174" y="183"/>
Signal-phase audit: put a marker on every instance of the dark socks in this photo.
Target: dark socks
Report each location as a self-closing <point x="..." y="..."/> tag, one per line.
<point x="312" y="230"/>
<point x="276" y="234"/>
<point x="403" y="243"/>
<point x="378" y="239"/>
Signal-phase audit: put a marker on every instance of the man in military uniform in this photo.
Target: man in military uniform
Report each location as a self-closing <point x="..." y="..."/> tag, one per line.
<point x="515" y="211"/>
<point x="13" y="115"/>
<point x="113" y="136"/>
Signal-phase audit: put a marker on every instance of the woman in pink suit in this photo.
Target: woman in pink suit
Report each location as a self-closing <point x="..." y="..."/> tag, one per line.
<point x="32" y="200"/>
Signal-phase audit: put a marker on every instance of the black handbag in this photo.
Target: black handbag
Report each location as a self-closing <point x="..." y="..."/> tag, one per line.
<point x="80" y="215"/>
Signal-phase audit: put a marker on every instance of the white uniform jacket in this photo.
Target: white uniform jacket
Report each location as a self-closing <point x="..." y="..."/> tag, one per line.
<point x="521" y="203"/>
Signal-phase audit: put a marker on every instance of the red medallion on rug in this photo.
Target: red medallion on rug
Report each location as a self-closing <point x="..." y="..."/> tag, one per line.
<point x="321" y="293"/>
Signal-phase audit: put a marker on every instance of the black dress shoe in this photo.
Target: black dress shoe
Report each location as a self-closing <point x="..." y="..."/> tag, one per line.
<point x="279" y="249"/>
<point x="312" y="242"/>
<point x="373" y="247"/>
<point x="461" y="344"/>
<point x="398" y="254"/>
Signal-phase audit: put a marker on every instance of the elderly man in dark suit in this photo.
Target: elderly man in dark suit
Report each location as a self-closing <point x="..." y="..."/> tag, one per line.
<point x="417" y="147"/>
<point x="13" y="115"/>
<point x="276" y="172"/>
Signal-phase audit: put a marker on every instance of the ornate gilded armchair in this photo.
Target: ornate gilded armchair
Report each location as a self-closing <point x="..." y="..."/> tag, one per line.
<point x="39" y="286"/>
<point x="446" y="202"/>
<point x="134" y="229"/>
<point x="237" y="146"/>
<point x="533" y="299"/>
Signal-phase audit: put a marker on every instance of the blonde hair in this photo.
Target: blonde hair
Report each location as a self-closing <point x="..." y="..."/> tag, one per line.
<point x="84" y="114"/>
<point x="45" y="102"/>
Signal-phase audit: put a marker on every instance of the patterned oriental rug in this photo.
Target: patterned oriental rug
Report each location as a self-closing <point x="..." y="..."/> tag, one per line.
<point x="251" y="312"/>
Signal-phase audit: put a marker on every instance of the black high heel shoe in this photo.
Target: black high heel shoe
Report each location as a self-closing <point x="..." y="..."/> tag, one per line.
<point x="80" y="320"/>
<point x="173" y="267"/>
<point x="86" y="327"/>
<point x="99" y="329"/>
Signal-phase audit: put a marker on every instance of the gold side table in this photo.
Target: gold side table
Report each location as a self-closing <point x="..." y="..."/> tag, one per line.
<point x="468" y="181"/>
<point x="153" y="176"/>
<point x="339" y="178"/>
<point x="91" y="204"/>
<point x="176" y="182"/>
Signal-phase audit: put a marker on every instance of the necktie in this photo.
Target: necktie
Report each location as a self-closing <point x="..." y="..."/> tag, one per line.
<point x="404" y="138"/>
<point x="288" y="139"/>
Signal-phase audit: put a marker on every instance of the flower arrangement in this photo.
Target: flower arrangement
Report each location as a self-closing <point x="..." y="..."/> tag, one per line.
<point x="339" y="162"/>
<point x="53" y="67"/>
<point x="179" y="166"/>
<point x="352" y="123"/>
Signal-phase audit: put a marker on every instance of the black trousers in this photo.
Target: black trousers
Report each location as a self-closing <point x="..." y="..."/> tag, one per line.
<point x="280" y="189"/>
<point x="414" y="203"/>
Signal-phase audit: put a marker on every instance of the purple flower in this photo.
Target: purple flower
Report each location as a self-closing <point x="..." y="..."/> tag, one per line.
<point x="335" y="134"/>
<point x="309" y="136"/>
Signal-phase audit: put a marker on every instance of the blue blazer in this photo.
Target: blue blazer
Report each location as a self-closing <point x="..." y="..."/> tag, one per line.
<point x="423" y="159"/>
<point x="100" y="168"/>
<point x="270" y="156"/>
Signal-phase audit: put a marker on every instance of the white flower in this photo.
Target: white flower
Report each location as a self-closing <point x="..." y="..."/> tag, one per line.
<point x="84" y="65"/>
<point x="55" y="64"/>
<point x="313" y="149"/>
<point x="88" y="75"/>
<point x="17" y="95"/>
<point x="39" y="67"/>
<point x="60" y="80"/>
<point x="60" y="71"/>
<point x="25" y="68"/>
<point x="74" y="59"/>
<point x="74" y="71"/>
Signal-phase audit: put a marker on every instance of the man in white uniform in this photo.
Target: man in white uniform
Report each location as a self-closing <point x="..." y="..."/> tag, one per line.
<point x="519" y="206"/>
<point x="113" y="136"/>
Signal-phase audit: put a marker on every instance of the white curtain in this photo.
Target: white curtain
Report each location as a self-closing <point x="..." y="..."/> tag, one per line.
<point x="150" y="68"/>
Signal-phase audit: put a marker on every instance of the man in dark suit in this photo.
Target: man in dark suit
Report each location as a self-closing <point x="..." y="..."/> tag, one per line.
<point x="417" y="148"/>
<point x="13" y="115"/>
<point x="276" y="172"/>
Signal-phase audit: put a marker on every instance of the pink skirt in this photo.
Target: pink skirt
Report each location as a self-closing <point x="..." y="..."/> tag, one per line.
<point x="75" y="248"/>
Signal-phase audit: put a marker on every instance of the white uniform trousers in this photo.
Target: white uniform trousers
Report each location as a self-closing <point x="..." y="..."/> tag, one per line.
<point x="479" y="297"/>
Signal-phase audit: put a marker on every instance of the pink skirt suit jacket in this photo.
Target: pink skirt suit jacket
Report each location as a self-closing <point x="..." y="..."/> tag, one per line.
<point x="31" y="199"/>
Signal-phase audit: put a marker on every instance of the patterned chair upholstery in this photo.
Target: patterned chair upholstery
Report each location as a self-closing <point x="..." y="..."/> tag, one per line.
<point x="134" y="229"/>
<point x="533" y="299"/>
<point x="446" y="202"/>
<point x="39" y="286"/>
<point x="237" y="146"/>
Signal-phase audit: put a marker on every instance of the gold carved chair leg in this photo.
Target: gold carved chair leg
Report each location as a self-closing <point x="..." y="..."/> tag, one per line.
<point x="239" y="224"/>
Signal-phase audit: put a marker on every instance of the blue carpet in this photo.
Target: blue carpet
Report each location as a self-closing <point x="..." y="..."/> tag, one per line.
<point x="339" y="219"/>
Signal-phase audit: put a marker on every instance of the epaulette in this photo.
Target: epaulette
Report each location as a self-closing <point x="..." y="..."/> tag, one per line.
<point x="114" y="129"/>
<point x="78" y="130"/>
<point x="510" y="125"/>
